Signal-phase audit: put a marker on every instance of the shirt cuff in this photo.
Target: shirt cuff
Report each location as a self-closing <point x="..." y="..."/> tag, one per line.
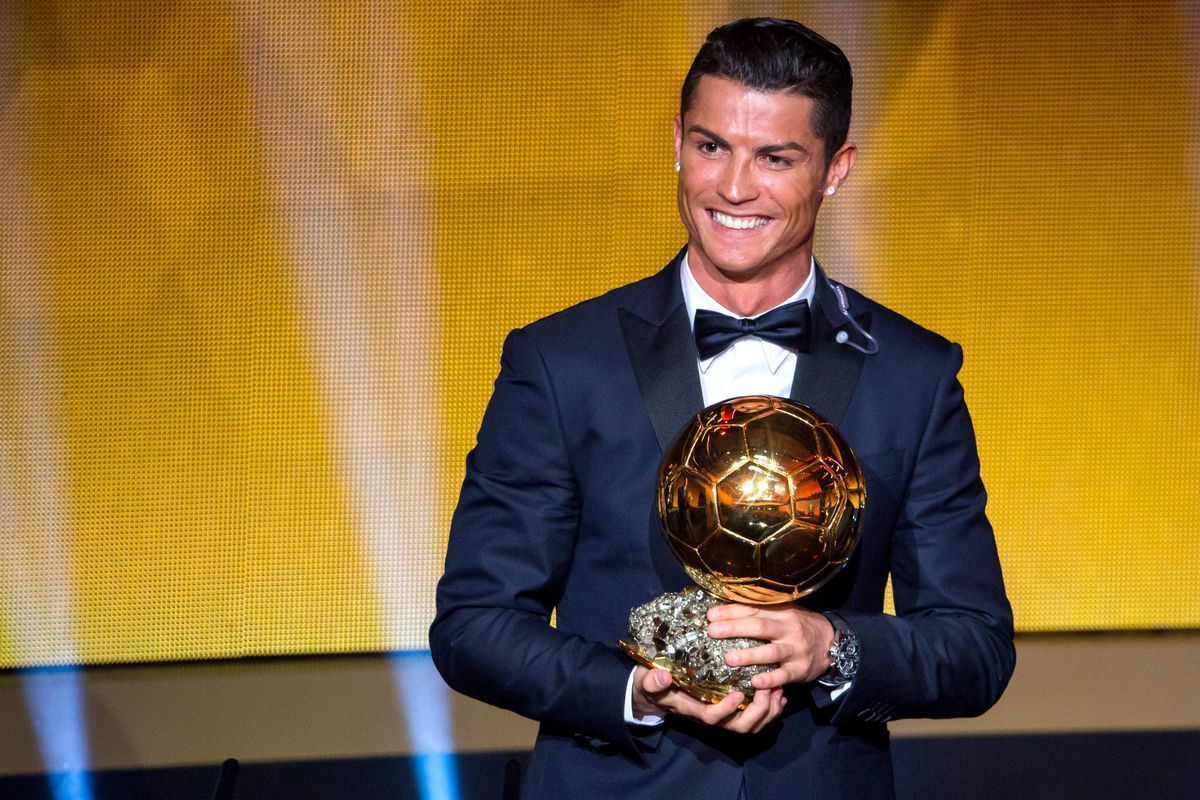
<point x="650" y="720"/>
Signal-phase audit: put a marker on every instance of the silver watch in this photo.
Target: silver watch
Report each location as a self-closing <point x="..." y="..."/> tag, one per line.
<point x="843" y="653"/>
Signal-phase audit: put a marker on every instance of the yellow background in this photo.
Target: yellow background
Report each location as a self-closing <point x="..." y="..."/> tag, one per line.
<point x="257" y="259"/>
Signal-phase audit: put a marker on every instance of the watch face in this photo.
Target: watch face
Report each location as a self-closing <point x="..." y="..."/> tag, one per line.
<point x="843" y="653"/>
<point x="845" y="656"/>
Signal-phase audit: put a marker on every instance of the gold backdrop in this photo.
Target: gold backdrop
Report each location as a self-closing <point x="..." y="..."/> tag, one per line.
<point x="257" y="259"/>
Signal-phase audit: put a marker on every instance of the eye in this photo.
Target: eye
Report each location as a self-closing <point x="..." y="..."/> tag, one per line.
<point x="777" y="161"/>
<point x="709" y="148"/>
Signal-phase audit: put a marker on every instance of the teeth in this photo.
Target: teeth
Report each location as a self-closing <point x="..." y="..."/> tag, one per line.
<point x="739" y="223"/>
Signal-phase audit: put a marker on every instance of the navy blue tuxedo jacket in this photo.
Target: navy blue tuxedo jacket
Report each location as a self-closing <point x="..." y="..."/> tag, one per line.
<point x="557" y="513"/>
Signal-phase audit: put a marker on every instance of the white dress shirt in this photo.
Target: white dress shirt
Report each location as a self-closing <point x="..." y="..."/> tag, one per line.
<point x="748" y="366"/>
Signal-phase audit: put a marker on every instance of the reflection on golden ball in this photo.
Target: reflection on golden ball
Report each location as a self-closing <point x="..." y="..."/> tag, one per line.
<point x="760" y="499"/>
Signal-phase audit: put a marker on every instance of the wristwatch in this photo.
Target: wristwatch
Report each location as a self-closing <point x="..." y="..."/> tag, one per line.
<point x="843" y="653"/>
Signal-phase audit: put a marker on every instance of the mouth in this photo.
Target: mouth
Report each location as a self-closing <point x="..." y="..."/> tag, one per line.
<point x="737" y="223"/>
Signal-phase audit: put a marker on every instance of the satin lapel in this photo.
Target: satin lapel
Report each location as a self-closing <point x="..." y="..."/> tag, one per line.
<point x="658" y="336"/>
<point x="663" y="356"/>
<point x="826" y="376"/>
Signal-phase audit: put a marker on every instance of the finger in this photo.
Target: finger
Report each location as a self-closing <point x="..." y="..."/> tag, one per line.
<point x="776" y="708"/>
<point x="656" y="681"/>
<point x="731" y="611"/>
<point x="676" y="702"/>
<point x="748" y="627"/>
<point x="755" y="716"/>
<point x="772" y="653"/>
<point x="739" y="610"/>
<point x="771" y="703"/>
<point x="724" y="712"/>
<point x="777" y="702"/>
<point x="649" y="689"/>
<point x="775" y="679"/>
<point x="679" y="702"/>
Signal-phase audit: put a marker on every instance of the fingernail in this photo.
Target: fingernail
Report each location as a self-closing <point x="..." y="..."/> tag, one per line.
<point x="662" y="678"/>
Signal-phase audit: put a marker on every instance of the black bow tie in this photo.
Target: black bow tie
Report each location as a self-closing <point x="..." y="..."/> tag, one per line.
<point x="786" y="326"/>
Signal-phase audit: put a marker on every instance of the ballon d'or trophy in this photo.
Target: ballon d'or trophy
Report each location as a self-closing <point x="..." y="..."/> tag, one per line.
<point x="760" y="499"/>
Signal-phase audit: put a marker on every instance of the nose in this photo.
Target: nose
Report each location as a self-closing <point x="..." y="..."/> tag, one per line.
<point x="737" y="181"/>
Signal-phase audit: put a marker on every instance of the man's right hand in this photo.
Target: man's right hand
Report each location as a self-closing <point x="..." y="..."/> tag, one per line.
<point x="655" y="694"/>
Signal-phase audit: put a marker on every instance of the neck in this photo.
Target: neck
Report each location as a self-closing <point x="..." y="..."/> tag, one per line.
<point x="750" y="295"/>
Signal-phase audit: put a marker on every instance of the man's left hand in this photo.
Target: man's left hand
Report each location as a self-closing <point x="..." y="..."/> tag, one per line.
<point x="798" y="640"/>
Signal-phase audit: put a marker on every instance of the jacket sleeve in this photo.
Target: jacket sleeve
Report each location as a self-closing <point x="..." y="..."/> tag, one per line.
<point x="512" y="540"/>
<point x="948" y="651"/>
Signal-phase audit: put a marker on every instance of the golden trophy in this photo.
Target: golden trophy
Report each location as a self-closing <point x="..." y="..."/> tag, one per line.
<point x="760" y="499"/>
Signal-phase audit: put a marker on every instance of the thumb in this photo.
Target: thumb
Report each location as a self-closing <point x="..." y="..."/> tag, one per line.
<point x="657" y="680"/>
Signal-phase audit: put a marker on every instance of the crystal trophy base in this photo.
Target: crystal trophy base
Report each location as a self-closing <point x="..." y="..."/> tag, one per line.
<point x="670" y="632"/>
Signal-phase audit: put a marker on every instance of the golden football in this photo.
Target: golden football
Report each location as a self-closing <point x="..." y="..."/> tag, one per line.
<point x="760" y="499"/>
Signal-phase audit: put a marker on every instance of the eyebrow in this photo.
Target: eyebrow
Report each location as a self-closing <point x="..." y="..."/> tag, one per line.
<point x="765" y="149"/>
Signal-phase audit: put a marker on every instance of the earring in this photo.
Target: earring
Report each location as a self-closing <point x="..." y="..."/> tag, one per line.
<point x="831" y="191"/>
<point x="677" y="166"/>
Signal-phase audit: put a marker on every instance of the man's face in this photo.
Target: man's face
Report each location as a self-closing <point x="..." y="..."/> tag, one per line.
<point x="752" y="176"/>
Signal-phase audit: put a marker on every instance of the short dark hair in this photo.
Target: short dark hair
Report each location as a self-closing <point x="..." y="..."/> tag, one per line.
<point x="779" y="55"/>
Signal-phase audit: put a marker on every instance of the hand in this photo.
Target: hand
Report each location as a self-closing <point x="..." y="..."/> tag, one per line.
<point x="798" y="640"/>
<point x="653" y="693"/>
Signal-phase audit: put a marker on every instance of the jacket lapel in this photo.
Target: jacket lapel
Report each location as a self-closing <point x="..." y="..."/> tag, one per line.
<point x="658" y="336"/>
<point x="827" y="374"/>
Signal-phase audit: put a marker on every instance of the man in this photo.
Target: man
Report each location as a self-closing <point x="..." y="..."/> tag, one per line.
<point x="557" y="508"/>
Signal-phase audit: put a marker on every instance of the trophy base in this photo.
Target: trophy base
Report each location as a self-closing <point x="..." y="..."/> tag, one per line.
<point x="670" y="632"/>
<point x="701" y="690"/>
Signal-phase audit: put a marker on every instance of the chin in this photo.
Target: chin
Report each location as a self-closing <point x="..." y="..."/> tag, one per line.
<point x="735" y="263"/>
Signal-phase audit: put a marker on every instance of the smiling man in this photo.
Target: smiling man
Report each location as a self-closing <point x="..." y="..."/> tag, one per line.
<point x="752" y="176"/>
<point x="557" y="507"/>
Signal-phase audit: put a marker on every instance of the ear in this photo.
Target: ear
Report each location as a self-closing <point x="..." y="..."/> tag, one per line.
<point x="678" y="138"/>
<point x="840" y="164"/>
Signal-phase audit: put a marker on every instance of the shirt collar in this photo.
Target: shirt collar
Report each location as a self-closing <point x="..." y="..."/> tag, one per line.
<point x="695" y="298"/>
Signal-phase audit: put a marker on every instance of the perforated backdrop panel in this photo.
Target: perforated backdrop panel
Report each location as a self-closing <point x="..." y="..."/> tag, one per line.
<point x="257" y="260"/>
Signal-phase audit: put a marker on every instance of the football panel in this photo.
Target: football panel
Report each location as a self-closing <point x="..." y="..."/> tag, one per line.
<point x="795" y="555"/>
<point x="719" y="450"/>
<point x="841" y="535"/>
<point x="781" y="441"/>
<point x="688" y="508"/>
<point x="816" y="494"/>
<point x="730" y="556"/>
<point x="754" y="502"/>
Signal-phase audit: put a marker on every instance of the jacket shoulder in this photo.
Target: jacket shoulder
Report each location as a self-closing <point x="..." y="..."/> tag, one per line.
<point x="577" y="324"/>
<point x="893" y="330"/>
